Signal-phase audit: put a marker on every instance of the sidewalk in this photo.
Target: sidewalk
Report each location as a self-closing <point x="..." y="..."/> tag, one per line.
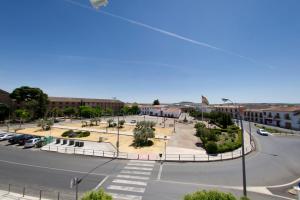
<point x="4" y="195"/>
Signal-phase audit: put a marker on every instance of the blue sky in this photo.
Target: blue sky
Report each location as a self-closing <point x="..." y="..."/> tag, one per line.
<point x="68" y="50"/>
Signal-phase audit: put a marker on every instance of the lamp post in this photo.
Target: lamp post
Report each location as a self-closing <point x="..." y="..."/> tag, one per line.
<point x="243" y="146"/>
<point x="165" y="138"/>
<point x="118" y="137"/>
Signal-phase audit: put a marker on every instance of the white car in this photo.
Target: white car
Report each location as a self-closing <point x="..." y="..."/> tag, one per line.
<point x="263" y="132"/>
<point x="31" y="142"/>
<point x="6" y="136"/>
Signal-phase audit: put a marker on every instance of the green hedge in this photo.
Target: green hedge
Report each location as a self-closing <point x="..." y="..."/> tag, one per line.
<point x="75" y="134"/>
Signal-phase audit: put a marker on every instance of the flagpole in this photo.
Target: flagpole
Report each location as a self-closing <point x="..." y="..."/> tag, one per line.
<point x="202" y="107"/>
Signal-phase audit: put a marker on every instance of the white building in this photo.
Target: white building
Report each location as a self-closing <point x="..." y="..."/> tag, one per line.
<point x="280" y="116"/>
<point x="160" y="110"/>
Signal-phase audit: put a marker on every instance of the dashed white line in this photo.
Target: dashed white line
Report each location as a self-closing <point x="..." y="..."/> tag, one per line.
<point x="129" y="182"/>
<point x="99" y="185"/>
<point x="126" y="188"/>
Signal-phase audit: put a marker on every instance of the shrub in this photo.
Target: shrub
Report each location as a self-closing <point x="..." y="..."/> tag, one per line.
<point x="211" y="147"/>
<point x="142" y="132"/>
<point x="209" y="195"/>
<point x="96" y="195"/>
<point x="67" y="133"/>
<point x="199" y="125"/>
<point x="83" y="133"/>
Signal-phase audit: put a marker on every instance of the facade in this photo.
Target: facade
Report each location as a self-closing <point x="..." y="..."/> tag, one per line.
<point x="63" y="102"/>
<point x="4" y="98"/>
<point x="280" y="116"/>
<point x="160" y="110"/>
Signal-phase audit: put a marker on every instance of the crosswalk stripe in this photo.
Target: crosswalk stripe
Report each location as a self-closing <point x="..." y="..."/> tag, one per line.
<point x="142" y="161"/>
<point x="139" y="168"/>
<point x="126" y="188"/>
<point x="125" y="196"/>
<point x="141" y="164"/>
<point x="133" y="177"/>
<point x="135" y="172"/>
<point x="129" y="182"/>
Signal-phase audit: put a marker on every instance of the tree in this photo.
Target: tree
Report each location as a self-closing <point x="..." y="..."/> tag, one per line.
<point x="87" y="112"/>
<point x="69" y="111"/>
<point x="209" y="195"/>
<point x="55" y="112"/>
<point x="142" y="132"/>
<point x="45" y="124"/>
<point x="34" y="100"/>
<point x="96" y="195"/>
<point x="125" y="110"/>
<point x="4" y="111"/>
<point x="134" y="109"/>
<point x="98" y="111"/>
<point x="156" y="102"/>
<point x="110" y="122"/>
<point x="23" y="115"/>
<point x="109" y="111"/>
<point x="121" y="123"/>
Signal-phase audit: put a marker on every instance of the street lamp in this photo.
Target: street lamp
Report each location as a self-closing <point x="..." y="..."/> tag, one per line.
<point x="243" y="145"/>
<point x="165" y="138"/>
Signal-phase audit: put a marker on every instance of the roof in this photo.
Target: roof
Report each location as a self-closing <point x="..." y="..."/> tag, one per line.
<point x="71" y="99"/>
<point x="284" y="109"/>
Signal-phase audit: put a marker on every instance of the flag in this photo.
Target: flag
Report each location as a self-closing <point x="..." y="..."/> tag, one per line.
<point x="205" y="101"/>
<point x="98" y="3"/>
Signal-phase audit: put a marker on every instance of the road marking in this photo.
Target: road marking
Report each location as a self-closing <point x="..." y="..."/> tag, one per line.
<point x="142" y="161"/>
<point x="99" y="185"/>
<point x="126" y="188"/>
<point x="125" y="196"/>
<point x="133" y="177"/>
<point x="129" y="182"/>
<point x="139" y="168"/>
<point x="141" y="164"/>
<point x="159" y="172"/>
<point x="135" y="172"/>
<point x="50" y="168"/>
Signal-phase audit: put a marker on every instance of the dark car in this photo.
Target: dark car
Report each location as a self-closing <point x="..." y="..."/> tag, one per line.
<point x="23" y="140"/>
<point x="15" y="139"/>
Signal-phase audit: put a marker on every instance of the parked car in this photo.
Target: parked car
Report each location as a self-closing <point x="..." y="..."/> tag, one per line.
<point x="263" y="132"/>
<point x="15" y="139"/>
<point x="6" y="136"/>
<point x="133" y="121"/>
<point x="31" y="142"/>
<point x="23" y="140"/>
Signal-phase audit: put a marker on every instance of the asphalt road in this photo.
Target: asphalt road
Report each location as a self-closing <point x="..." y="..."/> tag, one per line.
<point x="275" y="162"/>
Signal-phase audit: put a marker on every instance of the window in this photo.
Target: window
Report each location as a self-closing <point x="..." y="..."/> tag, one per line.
<point x="287" y="116"/>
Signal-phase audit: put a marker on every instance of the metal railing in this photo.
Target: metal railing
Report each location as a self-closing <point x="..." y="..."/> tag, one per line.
<point x="33" y="193"/>
<point x="157" y="157"/>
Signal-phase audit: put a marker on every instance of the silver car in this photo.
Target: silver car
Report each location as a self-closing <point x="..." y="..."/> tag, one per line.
<point x="6" y="136"/>
<point x="263" y="132"/>
<point x="31" y="142"/>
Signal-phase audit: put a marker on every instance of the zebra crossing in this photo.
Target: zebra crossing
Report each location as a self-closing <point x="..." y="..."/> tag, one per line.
<point x="131" y="182"/>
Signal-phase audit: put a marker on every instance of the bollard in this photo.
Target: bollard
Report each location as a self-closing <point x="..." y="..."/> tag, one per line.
<point x="232" y="154"/>
<point x="208" y="157"/>
<point x="58" y="195"/>
<point x="148" y="156"/>
<point x="114" y="154"/>
<point x="221" y="156"/>
<point x="57" y="149"/>
<point x="138" y="156"/>
<point x="65" y="149"/>
<point x="8" y="188"/>
<point x="40" y="194"/>
<point x="103" y="153"/>
<point x="194" y="157"/>
<point x="83" y="151"/>
<point x="179" y="156"/>
<point x="74" y="150"/>
<point x="23" y="191"/>
<point x="93" y="152"/>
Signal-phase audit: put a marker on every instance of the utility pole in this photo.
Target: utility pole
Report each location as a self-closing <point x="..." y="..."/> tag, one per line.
<point x="174" y="125"/>
<point x="118" y="139"/>
<point x="243" y="146"/>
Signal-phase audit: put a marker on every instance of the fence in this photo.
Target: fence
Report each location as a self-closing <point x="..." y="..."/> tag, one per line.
<point x="29" y="192"/>
<point x="158" y="157"/>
